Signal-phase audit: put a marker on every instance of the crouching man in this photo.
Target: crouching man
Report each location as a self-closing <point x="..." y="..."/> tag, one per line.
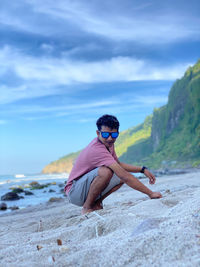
<point x="98" y="172"/>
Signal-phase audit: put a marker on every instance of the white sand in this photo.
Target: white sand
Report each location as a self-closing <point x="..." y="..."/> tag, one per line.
<point x="132" y="230"/>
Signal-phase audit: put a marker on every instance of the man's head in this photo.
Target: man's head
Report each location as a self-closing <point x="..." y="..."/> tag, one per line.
<point x="108" y="127"/>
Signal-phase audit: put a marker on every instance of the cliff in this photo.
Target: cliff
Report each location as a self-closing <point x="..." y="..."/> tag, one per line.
<point x="61" y="165"/>
<point x="175" y="130"/>
<point x="169" y="137"/>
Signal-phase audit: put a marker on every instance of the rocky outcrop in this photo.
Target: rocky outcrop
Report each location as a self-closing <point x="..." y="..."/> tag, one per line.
<point x="10" y="196"/>
<point x="28" y="193"/>
<point x="3" y="206"/>
<point x="18" y="190"/>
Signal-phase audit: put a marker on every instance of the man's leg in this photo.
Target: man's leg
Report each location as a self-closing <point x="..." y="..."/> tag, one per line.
<point x="98" y="203"/>
<point x="97" y="186"/>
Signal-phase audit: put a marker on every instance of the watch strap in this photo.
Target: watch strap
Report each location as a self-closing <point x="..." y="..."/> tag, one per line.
<point x="143" y="169"/>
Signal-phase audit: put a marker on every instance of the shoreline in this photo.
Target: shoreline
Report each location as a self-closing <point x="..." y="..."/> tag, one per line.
<point x="30" y="191"/>
<point x="29" y="202"/>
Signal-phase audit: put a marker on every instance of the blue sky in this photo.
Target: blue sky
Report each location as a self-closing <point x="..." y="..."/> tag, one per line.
<point x="65" y="63"/>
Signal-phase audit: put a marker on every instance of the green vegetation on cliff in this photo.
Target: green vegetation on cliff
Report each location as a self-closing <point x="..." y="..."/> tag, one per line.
<point x="133" y="136"/>
<point x="171" y="134"/>
<point x="175" y="127"/>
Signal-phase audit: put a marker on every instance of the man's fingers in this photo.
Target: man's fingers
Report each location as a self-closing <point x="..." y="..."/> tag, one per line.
<point x="156" y="195"/>
<point x="152" y="179"/>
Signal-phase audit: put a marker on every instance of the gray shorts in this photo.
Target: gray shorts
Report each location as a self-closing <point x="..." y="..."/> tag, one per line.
<point x="80" y="188"/>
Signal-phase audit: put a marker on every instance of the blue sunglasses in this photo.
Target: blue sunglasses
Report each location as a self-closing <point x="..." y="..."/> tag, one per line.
<point x="107" y="134"/>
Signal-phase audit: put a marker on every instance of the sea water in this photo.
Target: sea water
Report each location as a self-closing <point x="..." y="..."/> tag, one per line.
<point x="39" y="195"/>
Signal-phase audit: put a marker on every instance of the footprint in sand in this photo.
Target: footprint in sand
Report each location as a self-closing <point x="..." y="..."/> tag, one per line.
<point x="170" y="202"/>
<point x="146" y="225"/>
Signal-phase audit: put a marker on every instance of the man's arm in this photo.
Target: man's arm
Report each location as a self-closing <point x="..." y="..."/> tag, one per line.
<point x="132" y="181"/>
<point x="131" y="168"/>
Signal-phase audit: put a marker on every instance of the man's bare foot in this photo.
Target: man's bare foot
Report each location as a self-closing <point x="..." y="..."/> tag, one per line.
<point x="85" y="211"/>
<point x="98" y="205"/>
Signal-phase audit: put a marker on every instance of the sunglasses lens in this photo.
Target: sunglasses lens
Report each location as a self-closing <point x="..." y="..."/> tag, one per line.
<point x="114" y="135"/>
<point x="107" y="134"/>
<point x="104" y="134"/>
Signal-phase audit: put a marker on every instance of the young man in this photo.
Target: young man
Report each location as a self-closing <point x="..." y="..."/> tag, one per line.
<point x="98" y="172"/>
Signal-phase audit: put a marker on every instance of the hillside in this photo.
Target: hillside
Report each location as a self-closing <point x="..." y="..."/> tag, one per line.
<point x="61" y="165"/>
<point x="175" y="135"/>
<point x="133" y="136"/>
<point x="168" y="138"/>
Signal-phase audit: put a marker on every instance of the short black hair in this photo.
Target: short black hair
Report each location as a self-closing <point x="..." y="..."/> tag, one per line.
<point x="108" y="121"/>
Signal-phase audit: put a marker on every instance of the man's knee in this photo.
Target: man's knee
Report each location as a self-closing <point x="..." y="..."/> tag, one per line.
<point x="105" y="172"/>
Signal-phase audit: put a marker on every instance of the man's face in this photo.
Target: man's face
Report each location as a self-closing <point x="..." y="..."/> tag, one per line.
<point x="108" y="142"/>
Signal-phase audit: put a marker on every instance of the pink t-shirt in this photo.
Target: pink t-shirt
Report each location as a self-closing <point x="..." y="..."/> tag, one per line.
<point x="94" y="155"/>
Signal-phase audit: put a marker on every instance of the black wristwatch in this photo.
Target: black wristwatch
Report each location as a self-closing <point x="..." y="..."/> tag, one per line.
<point x="143" y="168"/>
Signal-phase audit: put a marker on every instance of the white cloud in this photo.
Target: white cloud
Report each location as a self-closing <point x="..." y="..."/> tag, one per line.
<point x="43" y="76"/>
<point x="65" y="71"/>
<point x="141" y="24"/>
<point x="165" y="27"/>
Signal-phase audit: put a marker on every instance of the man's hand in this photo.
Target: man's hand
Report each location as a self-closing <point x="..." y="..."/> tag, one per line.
<point x="155" y="195"/>
<point x="151" y="177"/>
<point x="152" y="180"/>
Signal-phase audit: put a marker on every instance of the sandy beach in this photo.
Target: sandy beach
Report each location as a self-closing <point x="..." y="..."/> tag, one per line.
<point x="131" y="230"/>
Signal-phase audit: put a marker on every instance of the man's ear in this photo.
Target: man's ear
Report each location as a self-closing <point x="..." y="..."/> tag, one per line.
<point x="97" y="131"/>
